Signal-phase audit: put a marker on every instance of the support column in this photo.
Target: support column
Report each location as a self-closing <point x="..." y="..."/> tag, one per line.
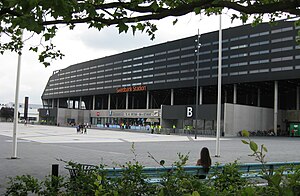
<point x="58" y="103"/>
<point x="200" y="95"/>
<point x="94" y="102"/>
<point x="172" y="96"/>
<point x="132" y="102"/>
<point x="298" y="96"/>
<point x="79" y="104"/>
<point x="108" y="104"/>
<point x="69" y="103"/>
<point x="52" y="103"/>
<point x="258" y="97"/>
<point x="73" y="103"/>
<point x="126" y="101"/>
<point x="147" y="100"/>
<point x="234" y="93"/>
<point x="116" y="103"/>
<point x="275" y="106"/>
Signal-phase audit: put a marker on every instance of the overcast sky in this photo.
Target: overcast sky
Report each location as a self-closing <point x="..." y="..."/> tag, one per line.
<point x="84" y="44"/>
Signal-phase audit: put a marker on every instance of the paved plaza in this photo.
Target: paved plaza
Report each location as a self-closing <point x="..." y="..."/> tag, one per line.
<point x="41" y="146"/>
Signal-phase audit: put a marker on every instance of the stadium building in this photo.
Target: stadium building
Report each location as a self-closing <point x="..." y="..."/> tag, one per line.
<point x="157" y="84"/>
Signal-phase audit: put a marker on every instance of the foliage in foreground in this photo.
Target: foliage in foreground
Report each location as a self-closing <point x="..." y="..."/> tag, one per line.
<point x="46" y="17"/>
<point x="133" y="181"/>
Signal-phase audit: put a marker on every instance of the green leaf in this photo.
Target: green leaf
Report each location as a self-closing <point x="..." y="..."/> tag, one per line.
<point x="264" y="148"/>
<point x="122" y="27"/>
<point x="154" y="6"/>
<point x="197" y="10"/>
<point x="276" y="179"/>
<point x="245" y="142"/>
<point x="253" y="146"/>
<point x="245" y="133"/>
<point x="195" y="193"/>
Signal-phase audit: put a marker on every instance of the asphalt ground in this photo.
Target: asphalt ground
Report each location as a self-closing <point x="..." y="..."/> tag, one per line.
<point x="40" y="146"/>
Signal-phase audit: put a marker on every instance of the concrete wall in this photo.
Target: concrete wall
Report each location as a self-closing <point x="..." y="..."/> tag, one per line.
<point x="239" y="117"/>
<point x="80" y="116"/>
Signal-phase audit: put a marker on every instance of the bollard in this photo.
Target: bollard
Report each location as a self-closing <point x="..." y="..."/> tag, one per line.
<point x="55" y="170"/>
<point x="54" y="175"/>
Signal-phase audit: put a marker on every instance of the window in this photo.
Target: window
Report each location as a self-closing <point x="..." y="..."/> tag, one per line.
<point x="160" y="60"/>
<point x="117" y="74"/>
<point x="173" y="72"/>
<point x="187" y="55"/>
<point x="259" y="52"/>
<point x="137" y="64"/>
<point x="172" y="51"/>
<point x="173" y="58"/>
<point x="149" y="55"/>
<point x="282" y="49"/>
<point x="260" y="34"/>
<point x="188" y="63"/>
<point x="127" y="60"/>
<point x="187" y="48"/>
<point x="137" y="58"/>
<point x="160" y="67"/>
<point x="148" y="69"/>
<point x="137" y="71"/>
<point x="204" y="52"/>
<point x="187" y="78"/>
<point x="160" y="53"/>
<point x="239" y="38"/>
<point x="173" y="65"/>
<point x="126" y="66"/>
<point x="282" y="39"/>
<point x="159" y="81"/>
<point x="173" y="80"/>
<point x="282" y="59"/>
<point x="124" y="79"/>
<point x="148" y="76"/>
<point x="160" y="74"/>
<point x="187" y="70"/>
<point x="127" y="72"/>
<point x="282" y="30"/>
<point x="148" y="62"/>
<point x="238" y="47"/>
<point x="259" y="43"/>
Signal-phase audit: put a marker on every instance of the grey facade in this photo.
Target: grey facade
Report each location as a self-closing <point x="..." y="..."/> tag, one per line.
<point x="165" y="75"/>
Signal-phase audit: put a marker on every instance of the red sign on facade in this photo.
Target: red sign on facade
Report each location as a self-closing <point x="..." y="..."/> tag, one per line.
<point x="131" y="89"/>
<point x="98" y="113"/>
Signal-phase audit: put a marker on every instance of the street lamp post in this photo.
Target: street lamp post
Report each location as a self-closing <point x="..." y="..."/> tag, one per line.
<point x="16" y="108"/>
<point x="197" y="83"/>
<point x="219" y="90"/>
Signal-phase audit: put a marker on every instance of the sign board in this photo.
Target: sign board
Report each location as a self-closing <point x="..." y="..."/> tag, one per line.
<point x="131" y="89"/>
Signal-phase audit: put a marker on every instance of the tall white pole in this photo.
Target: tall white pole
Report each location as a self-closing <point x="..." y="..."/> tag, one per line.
<point x="219" y="91"/>
<point x="197" y="83"/>
<point x="275" y="106"/>
<point x="15" y="126"/>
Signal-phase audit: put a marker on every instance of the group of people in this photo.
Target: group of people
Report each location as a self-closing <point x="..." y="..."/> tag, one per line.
<point x="82" y="128"/>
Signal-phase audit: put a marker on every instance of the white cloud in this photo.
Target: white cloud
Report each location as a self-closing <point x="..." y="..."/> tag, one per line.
<point x="86" y="44"/>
